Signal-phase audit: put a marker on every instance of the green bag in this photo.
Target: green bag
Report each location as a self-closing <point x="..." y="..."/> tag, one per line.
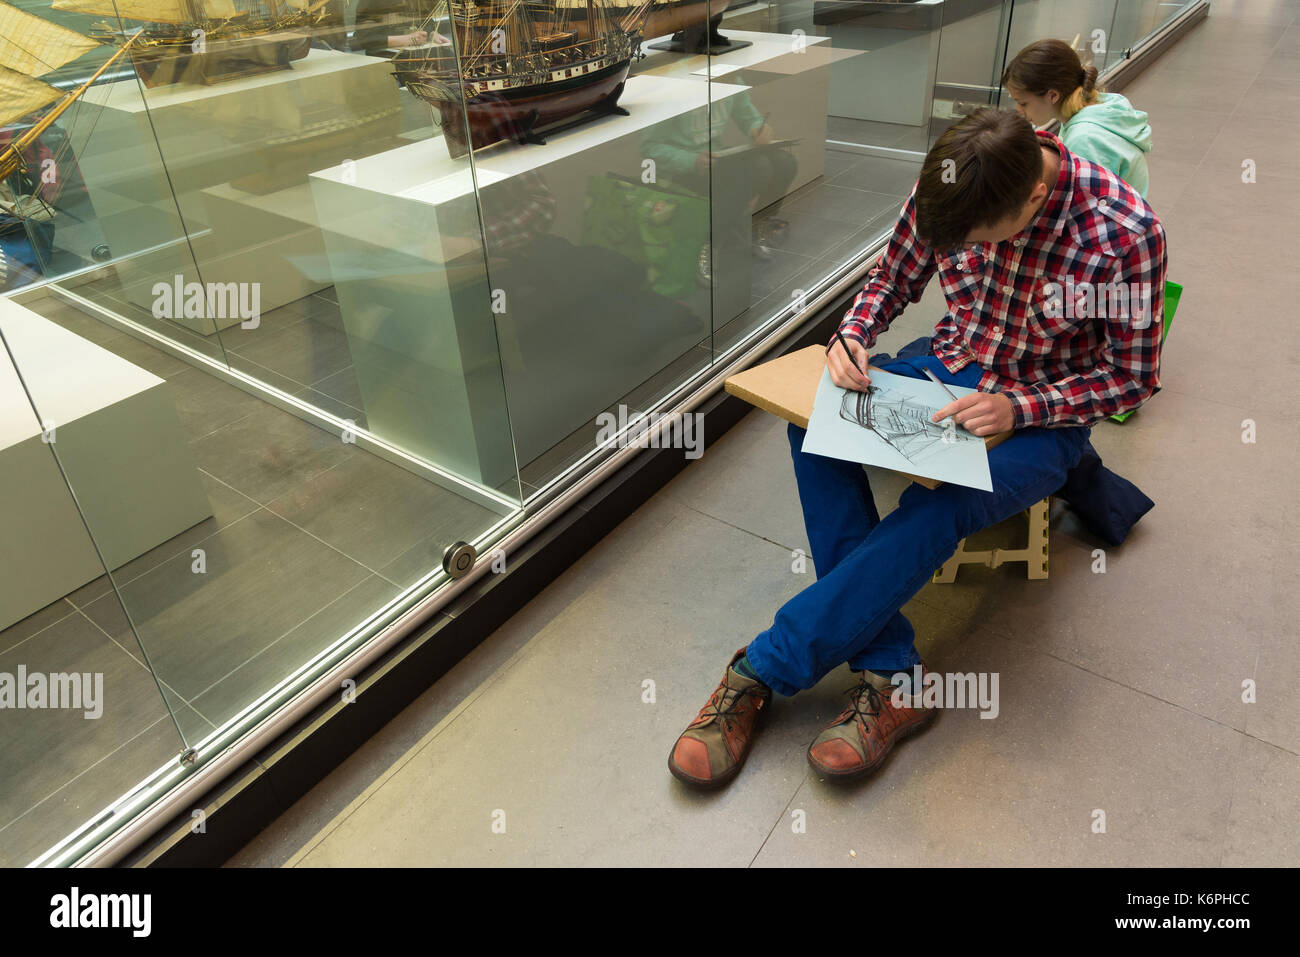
<point x="657" y="228"/>
<point x="1173" y="292"/>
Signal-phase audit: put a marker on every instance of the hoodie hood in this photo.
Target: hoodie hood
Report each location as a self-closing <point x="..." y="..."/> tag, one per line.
<point x="1114" y="113"/>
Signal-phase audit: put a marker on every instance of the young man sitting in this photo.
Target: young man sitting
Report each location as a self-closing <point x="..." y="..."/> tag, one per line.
<point x="1027" y="240"/>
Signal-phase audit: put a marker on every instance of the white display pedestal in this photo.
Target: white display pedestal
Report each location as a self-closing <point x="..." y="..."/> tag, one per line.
<point x="403" y="237"/>
<point x="118" y="438"/>
<point x="229" y="149"/>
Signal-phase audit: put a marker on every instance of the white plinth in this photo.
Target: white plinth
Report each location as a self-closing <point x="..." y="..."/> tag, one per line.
<point x="117" y="436"/>
<point x="403" y="236"/>
<point x="228" y="150"/>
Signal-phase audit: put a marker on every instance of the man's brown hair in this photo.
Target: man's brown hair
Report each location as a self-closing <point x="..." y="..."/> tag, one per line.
<point x="978" y="173"/>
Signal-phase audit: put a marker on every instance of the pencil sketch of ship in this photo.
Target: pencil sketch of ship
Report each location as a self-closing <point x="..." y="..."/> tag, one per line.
<point x="900" y="422"/>
<point x="514" y="67"/>
<point x="206" y="41"/>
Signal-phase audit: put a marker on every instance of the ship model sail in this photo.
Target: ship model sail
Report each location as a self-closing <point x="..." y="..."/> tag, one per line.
<point x="205" y="41"/>
<point x="517" y="66"/>
<point x="30" y="48"/>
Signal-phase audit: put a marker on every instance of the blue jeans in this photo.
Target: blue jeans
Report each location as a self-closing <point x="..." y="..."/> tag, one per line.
<point x="867" y="569"/>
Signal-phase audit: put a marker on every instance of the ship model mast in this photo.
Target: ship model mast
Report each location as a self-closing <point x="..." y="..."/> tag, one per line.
<point x="29" y="48"/>
<point x="522" y="65"/>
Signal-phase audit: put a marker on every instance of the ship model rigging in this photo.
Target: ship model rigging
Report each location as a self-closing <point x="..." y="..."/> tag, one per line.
<point x="523" y="65"/>
<point x="31" y="48"/>
<point x="206" y="41"/>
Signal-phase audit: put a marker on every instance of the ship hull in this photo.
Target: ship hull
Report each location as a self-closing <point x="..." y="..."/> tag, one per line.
<point x="163" y="64"/>
<point x="517" y="114"/>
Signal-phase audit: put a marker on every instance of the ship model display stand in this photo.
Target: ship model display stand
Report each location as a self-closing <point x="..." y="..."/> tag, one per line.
<point x="415" y="288"/>
<point x="789" y="81"/>
<point x="701" y="35"/>
<point x="237" y="155"/>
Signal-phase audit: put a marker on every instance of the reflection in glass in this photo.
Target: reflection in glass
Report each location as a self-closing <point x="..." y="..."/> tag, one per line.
<point x="301" y="355"/>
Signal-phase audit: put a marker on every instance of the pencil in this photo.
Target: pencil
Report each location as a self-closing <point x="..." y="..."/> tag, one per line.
<point x="849" y="353"/>
<point x="935" y="378"/>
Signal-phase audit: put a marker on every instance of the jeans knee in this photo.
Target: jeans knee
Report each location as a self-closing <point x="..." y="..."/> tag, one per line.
<point x="951" y="511"/>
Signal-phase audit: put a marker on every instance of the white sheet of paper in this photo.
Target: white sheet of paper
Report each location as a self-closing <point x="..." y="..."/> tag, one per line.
<point x="890" y="427"/>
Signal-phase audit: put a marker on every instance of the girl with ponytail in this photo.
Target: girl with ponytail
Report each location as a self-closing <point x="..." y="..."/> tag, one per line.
<point x="1048" y="81"/>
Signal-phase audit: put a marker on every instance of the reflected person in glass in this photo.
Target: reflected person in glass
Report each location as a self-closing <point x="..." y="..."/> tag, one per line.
<point x="685" y="148"/>
<point x="384" y="25"/>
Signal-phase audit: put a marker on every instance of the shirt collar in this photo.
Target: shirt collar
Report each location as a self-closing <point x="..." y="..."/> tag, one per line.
<point x="1051" y="218"/>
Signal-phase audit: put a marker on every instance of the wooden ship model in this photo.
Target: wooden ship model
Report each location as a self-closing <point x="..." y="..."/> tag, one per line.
<point x="517" y="66"/>
<point x="206" y="41"/>
<point x="31" y="48"/>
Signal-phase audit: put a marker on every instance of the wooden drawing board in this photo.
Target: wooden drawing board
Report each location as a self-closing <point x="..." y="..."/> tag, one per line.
<point x="787" y="386"/>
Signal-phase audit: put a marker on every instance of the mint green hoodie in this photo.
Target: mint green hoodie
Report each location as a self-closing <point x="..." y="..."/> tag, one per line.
<point x="1114" y="135"/>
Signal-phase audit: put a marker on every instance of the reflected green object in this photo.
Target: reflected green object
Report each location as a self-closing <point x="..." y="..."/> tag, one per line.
<point x="1173" y="292"/>
<point x="650" y="226"/>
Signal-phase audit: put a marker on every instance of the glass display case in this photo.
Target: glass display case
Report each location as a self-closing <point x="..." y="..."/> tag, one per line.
<point x="299" y="293"/>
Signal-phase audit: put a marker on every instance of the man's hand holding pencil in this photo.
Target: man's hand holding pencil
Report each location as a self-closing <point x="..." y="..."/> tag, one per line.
<point x="980" y="413"/>
<point x="848" y="365"/>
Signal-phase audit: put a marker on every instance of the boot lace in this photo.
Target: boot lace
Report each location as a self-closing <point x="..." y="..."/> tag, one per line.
<point x="865" y="701"/>
<point x="726" y="704"/>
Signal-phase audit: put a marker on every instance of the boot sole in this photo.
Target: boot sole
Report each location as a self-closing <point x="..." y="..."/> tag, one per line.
<point x="714" y="783"/>
<point x="889" y="749"/>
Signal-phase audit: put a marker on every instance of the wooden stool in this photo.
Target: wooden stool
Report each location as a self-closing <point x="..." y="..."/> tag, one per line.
<point x="1034" y="554"/>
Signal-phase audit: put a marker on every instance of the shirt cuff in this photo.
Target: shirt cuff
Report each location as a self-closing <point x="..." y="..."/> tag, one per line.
<point x="851" y="330"/>
<point x="1028" y="407"/>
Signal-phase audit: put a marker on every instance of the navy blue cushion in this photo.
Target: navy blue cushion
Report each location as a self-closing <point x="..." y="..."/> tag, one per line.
<point x="1109" y="504"/>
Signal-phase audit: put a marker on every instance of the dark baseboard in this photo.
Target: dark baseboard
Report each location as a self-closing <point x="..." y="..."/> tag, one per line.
<point x="237" y="809"/>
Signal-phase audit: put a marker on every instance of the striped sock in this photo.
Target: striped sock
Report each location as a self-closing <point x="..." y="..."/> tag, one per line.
<point x="745" y="668"/>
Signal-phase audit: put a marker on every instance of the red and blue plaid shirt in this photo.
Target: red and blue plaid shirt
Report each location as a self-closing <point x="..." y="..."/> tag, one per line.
<point x="1044" y="312"/>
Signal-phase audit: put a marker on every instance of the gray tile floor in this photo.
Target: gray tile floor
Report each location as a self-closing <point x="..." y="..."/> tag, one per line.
<point x="1120" y="691"/>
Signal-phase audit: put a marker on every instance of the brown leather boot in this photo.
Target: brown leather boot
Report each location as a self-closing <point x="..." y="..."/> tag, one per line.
<point x="712" y="749"/>
<point x="856" y="742"/>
